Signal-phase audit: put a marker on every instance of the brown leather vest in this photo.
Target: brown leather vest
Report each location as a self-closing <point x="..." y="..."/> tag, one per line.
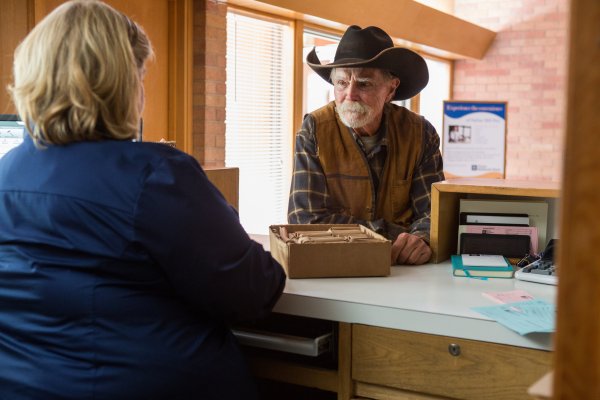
<point x="347" y="170"/>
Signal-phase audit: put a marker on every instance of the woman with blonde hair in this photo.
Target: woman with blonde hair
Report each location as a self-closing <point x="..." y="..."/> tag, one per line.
<point x="121" y="265"/>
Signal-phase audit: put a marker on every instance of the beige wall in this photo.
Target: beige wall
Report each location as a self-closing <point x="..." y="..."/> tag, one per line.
<point x="525" y="66"/>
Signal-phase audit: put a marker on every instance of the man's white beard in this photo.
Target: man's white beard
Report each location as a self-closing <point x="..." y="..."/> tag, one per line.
<point x="355" y="114"/>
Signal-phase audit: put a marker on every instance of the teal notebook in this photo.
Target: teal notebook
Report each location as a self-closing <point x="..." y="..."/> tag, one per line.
<point x="481" y="266"/>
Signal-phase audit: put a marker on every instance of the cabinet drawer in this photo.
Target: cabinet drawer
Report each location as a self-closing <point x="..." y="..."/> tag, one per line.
<point x="444" y="366"/>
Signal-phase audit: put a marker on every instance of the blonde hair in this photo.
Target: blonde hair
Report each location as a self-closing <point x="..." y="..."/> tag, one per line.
<point x="78" y="75"/>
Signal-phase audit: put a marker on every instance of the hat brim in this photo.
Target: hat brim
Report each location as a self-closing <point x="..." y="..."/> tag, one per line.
<point x="407" y="65"/>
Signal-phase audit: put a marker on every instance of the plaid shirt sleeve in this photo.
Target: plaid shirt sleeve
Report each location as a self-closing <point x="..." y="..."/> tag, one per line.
<point x="429" y="170"/>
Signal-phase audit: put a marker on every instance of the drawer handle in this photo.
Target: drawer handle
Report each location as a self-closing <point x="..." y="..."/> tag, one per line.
<point x="454" y="349"/>
<point x="290" y="344"/>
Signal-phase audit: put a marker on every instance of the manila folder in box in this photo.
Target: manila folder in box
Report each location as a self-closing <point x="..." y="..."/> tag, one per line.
<point x="488" y="266"/>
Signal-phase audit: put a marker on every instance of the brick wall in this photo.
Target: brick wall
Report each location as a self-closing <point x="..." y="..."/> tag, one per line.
<point x="208" y="124"/>
<point x="525" y="66"/>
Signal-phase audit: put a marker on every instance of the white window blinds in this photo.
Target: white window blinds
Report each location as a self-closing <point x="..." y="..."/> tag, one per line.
<point x="259" y="117"/>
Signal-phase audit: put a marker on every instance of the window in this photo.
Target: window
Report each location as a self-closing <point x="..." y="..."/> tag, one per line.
<point x="437" y="90"/>
<point x="259" y="108"/>
<point x="259" y="116"/>
<point x="316" y="91"/>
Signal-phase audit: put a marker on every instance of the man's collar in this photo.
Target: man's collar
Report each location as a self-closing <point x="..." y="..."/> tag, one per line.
<point x="381" y="133"/>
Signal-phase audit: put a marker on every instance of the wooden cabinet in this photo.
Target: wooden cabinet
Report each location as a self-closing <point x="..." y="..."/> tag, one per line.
<point x="445" y="203"/>
<point x="393" y="364"/>
<point x="419" y="362"/>
<point x="336" y="380"/>
<point x="227" y="180"/>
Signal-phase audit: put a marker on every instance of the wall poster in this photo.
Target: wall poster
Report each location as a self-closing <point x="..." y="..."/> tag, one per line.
<point x="474" y="139"/>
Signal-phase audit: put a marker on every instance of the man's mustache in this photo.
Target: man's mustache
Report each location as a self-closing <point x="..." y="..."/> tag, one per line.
<point x="354" y="106"/>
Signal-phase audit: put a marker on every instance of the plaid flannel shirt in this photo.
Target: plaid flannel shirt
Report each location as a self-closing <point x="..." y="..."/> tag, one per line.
<point x="309" y="200"/>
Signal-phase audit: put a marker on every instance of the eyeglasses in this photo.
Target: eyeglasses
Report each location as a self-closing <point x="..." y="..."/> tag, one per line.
<point x="361" y="84"/>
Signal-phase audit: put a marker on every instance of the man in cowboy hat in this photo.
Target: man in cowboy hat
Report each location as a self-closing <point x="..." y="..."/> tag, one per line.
<point x="361" y="159"/>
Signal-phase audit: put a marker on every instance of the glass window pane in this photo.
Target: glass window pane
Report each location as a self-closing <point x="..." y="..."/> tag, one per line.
<point x="437" y="90"/>
<point x="317" y="92"/>
<point x="258" y="117"/>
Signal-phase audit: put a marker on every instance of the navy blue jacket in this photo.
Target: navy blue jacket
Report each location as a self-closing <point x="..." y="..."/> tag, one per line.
<point x="121" y="267"/>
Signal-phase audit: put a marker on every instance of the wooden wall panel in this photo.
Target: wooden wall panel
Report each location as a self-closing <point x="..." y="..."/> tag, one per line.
<point x="421" y="27"/>
<point x="153" y="16"/>
<point x="227" y="180"/>
<point x="577" y="364"/>
<point x="15" y="22"/>
<point x="168" y="23"/>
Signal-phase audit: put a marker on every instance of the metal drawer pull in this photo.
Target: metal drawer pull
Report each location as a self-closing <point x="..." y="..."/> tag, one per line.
<point x="286" y="343"/>
<point x="454" y="349"/>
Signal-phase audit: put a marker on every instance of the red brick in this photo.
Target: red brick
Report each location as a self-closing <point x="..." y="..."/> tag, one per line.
<point x="215" y="74"/>
<point x="213" y="32"/>
<point x="215" y="128"/>
<point x="210" y="114"/>
<point x="220" y="141"/>
<point x="215" y="100"/>
<point x="216" y="21"/>
<point x="215" y="46"/>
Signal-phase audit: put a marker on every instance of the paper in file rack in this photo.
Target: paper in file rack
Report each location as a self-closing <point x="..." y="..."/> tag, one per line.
<point x="511" y="246"/>
<point x="481" y="218"/>
<point x="530" y="231"/>
<point x="537" y="210"/>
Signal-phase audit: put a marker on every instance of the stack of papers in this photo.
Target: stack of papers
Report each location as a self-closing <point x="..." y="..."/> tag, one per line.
<point x="523" y="317"/>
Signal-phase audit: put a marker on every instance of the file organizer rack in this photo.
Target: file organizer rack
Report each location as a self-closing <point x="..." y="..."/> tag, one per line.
<point x="445" y="204"/>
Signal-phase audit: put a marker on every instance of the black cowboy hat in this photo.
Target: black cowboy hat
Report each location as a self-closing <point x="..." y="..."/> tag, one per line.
<point x="371" y="47"/>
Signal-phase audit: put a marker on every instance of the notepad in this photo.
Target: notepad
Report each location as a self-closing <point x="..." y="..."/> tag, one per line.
<point x="482" y="260"/>
<point x="481" y="266"/>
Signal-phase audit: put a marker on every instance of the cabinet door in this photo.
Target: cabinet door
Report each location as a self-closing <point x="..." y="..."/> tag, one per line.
<point x="444" y="366"/>
<point x="15" y="22"/>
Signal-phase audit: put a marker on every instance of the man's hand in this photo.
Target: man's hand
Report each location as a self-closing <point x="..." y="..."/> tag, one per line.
<point x="410" y="249"/>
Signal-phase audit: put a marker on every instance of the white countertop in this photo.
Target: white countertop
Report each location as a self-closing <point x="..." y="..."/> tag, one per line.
<point x="424" y="298"/>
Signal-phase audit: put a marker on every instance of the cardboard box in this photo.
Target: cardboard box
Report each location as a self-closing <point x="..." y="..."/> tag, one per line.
<point x="326" y="259"/>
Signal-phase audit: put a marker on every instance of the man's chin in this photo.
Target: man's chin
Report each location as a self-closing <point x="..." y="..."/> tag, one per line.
<point x="354" y="122"/>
